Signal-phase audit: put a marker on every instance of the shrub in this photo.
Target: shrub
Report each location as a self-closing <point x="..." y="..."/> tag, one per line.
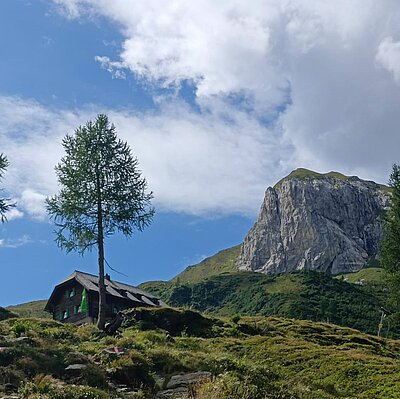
<point x="132" y="370"/>
<point x="20" y="327"/>
<point x="94" y="376"/>
<point x="10" y="376"/>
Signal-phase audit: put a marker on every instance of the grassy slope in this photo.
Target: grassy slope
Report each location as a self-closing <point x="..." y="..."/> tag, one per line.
<point x="30" y="309"/>
<point x="301" y="295"/>
<point x="302" y="173"/>
<point x="221" y="263"/>
<point x="281" y="357"/>
<point x="371" y="275"/>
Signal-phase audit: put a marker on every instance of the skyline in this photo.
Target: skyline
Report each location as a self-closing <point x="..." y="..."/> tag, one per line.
<point x="217" y="100"/>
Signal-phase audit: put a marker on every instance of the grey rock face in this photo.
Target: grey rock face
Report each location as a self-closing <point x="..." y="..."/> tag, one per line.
<point x="320" y="223"/>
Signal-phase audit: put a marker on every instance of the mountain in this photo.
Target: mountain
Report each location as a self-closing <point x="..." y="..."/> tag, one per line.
<point x="312" y="221"/>
<point x="31" y="309"/>
<point x="169" y="353"/>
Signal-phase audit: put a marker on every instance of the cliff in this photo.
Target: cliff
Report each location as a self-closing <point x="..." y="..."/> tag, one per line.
<point x="325" y="222"/>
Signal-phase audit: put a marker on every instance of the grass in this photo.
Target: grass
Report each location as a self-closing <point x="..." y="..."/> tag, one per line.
<point x="302" y="173"/>
<point x="30" y="309"/>
<point x="251" y="358"/>
<point x="371" y="275"/>
<point x="6" y="313"/>
<point x="301" y="295"/>
<point x="222" y="262"/>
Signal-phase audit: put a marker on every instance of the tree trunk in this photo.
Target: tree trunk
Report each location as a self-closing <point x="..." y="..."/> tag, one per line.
<point x="101" y="319"/>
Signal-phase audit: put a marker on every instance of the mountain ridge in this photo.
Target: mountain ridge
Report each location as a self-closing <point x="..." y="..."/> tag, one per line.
<point x="326" y="222"/>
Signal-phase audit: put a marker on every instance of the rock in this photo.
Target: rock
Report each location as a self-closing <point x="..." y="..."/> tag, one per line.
<point x="22" y="340"/>
<point x="75" y="367"/>
<point x="180" y="386"/>
<point x="327" y="223"/>
<point x="177" y="393"/>
<point x="184" y="380"/>
<point x="6" y="314"/>
<point x="10" y="388"/>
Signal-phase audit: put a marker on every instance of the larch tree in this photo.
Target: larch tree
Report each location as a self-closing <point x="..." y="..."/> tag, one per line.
<point x="390" y="243"/>
<point x="5" y="205"/>
<point x="101" y="192"/>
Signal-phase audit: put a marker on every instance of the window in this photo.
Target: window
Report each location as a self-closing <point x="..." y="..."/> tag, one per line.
<point x="76" y="310"/>
<point x="115" y="309"/>
<point x="70" y="293"/>
<point x="66" y="314"/>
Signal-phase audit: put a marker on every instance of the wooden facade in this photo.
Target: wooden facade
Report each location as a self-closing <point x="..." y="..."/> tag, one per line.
<point x="66" y="303"/>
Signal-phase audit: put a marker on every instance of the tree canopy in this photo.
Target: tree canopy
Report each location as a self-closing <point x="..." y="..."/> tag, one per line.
<point x="390" y="243"/>
<point x="5" y="205"/>
<point x="101" y="192"/>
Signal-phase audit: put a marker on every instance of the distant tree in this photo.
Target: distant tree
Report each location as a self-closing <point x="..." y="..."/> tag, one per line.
<point x="101" y="192"/>
<point x="390" y="243"/>
<point x="4" y="204"/>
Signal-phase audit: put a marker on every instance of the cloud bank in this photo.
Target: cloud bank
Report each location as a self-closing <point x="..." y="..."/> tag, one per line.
<point x="278" y="84"/>
<point x="194" y="163"/>
<point x="324" y="72"/>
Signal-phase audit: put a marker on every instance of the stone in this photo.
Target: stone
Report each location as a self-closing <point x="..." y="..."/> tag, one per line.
<point x="188" y="379"/>
<point x="75" y="367"/>
<point x="176" y="393"/>
<point x="316" y="222"/>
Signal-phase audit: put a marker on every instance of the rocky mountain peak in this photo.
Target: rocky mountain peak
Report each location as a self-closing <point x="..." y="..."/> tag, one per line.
<point x="308" y="220"/>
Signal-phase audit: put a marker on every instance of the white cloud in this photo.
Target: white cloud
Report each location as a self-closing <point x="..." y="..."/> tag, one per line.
<point x="279" y="84"/>
<point x="388" y="56"/>
<point x="15" y="242"/>
<point x="194" y="163"/>
<point x="14" y="213"/>
<point x="308" y="66"/>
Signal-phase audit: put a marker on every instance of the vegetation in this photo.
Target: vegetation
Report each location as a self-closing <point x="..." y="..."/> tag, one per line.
<point x="367" y="276"/>
<point x="6" y="314"/>
<point x="252" y="358"/>
<point x="301" y="295"/>
<point x="389" y="246"/>
<point x="102" y="191"/>
<point x="302" y="173"/>
<point x="5" y="205"/>
<point x="30" y="309"/>
<point x="220" y="263"/>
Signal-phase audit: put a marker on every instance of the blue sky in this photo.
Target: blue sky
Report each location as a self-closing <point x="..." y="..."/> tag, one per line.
<point x="218" y="100"/>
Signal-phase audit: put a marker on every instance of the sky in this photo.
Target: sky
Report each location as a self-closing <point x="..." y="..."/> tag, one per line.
<point x="218" y="101"/>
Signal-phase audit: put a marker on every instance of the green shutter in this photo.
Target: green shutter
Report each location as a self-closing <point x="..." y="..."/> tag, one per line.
<point x="83" y="305"/>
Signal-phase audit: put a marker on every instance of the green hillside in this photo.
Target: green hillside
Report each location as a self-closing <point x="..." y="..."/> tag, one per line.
<point x="301" y="295"/>
<point x="30" y="309"/>
<point x="221" y="263"/>
<point x="369" y="275"/>
<point x="302" y="173"/>
<point x="249" y="358"/>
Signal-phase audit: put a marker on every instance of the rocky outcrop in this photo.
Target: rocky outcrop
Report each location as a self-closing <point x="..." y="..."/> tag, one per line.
<point x="326" y="222"/>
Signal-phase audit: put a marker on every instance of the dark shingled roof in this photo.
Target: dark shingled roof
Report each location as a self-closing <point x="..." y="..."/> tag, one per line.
<point x="113" y="288"/>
